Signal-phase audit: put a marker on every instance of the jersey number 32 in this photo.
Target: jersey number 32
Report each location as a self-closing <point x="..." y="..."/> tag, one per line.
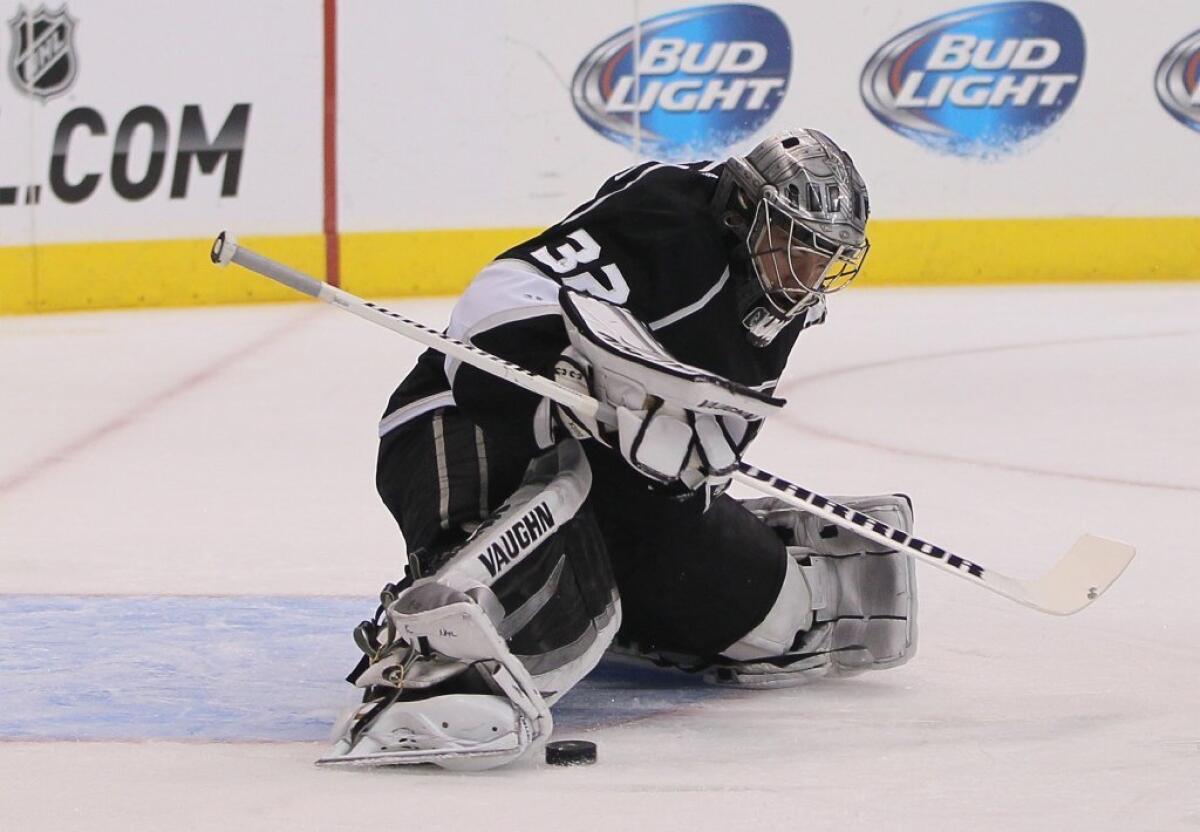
<point x="581" y="249"/>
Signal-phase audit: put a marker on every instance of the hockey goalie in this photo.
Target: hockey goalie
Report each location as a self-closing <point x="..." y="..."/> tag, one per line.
<point x="538" y="537"/>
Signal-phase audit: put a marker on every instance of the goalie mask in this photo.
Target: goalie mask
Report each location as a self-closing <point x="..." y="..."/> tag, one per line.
<point x="803" y="207"/>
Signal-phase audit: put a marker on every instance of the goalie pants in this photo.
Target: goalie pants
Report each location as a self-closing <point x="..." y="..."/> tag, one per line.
<point x="690" y="581"/>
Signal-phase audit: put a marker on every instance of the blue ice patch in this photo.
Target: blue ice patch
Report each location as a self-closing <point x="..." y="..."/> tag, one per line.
<point x="229" y="668"/>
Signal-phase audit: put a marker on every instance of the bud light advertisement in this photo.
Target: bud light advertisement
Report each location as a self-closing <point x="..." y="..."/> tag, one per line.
<point x="688" y="83"/>
<point x="978" y="82"/>
<point x="1175" y="81"/>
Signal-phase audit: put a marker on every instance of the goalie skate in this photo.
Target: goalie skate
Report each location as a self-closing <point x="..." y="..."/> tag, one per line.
<point x="465" y="732"/>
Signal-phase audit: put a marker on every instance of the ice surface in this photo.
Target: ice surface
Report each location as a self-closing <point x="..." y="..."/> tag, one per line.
<point x="189" y="530"/>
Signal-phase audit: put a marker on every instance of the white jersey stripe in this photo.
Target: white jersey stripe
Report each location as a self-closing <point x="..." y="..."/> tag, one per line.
<point x="501" y="318"/>
<point x="680" y="314"/>
<point x="619" y="176"/>
<point x="648" y="170"/>
<point x="413" y="410"/>
<point x="600" y="200"/>
<point x="481" y="457"/>
<point x="504" y="292"/>
<point x="439" y="449"/>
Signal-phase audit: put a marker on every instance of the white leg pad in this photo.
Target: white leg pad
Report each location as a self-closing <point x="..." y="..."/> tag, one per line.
<point x="860" y="602"/>
<point x="792" y="612"/>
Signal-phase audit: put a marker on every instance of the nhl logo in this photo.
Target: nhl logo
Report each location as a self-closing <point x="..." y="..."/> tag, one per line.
<point x="43" y="63"/>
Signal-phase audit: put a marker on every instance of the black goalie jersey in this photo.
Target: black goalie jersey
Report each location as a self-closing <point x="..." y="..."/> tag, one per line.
<point x="650" y="241"/>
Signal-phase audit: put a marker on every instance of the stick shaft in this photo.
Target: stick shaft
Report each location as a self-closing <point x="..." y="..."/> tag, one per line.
<point x="1087" y="571"/>
<point x="226" y="250"/>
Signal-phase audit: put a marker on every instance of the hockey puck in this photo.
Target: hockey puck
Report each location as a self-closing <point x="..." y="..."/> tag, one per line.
<point x="571" y="753"/>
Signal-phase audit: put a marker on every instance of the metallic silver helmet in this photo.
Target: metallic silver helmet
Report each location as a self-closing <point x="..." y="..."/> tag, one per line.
<point x="807" y="209"/>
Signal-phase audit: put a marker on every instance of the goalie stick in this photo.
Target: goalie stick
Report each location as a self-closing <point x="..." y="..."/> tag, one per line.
<point x="1081" y="576"/>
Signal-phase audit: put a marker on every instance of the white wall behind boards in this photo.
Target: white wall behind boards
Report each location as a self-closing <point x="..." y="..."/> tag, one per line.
<point x="144" y="65"/>
<point x="459" y="114"/>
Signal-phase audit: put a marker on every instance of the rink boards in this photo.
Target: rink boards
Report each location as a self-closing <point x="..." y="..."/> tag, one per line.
<point x="396" y="148"/>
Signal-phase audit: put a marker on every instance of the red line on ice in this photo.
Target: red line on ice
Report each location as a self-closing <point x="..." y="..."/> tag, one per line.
<point x="825" y="433"/>
<point x="73" y="448"/>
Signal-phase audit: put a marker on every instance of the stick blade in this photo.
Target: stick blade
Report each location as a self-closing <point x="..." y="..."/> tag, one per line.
<point x="1085" y="572"/>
